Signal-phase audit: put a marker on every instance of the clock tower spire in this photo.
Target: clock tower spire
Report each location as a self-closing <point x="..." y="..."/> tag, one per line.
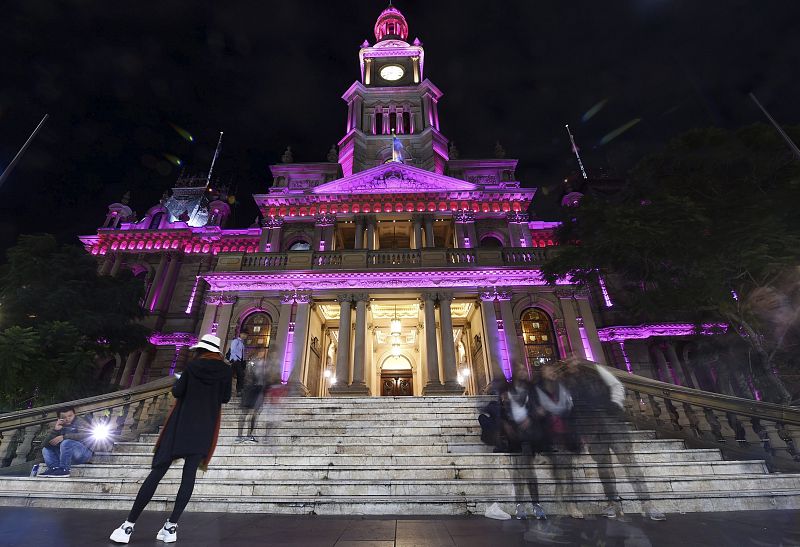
<point x="392" y="95"/>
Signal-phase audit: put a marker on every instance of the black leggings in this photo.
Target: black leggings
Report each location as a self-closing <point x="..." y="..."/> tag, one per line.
<point x="190" y="465"/>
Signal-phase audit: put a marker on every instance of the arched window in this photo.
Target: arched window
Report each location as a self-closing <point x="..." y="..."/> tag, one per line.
<point x="257" y="326"/>
<point x="300" y="246"/>
<point x="155" y="222"/>
<point x="491" y="241"/>
<point x="539" y="337"/>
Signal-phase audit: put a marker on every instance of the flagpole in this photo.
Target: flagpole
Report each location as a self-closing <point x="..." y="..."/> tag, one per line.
<point x="214" y="160"/>
<point x="22" y="150"/>
<point x="780" y="130"/>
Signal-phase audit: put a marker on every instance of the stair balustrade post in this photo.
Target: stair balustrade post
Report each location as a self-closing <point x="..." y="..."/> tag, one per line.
<point x="23" y="446"/>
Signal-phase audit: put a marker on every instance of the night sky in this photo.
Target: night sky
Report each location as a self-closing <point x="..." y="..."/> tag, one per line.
<point x="116" y="77"/>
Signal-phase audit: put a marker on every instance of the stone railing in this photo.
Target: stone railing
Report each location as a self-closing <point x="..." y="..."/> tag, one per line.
<point x="741" y="428"/>
<point x="129" y="413"/>
<point x="362" y="259"/>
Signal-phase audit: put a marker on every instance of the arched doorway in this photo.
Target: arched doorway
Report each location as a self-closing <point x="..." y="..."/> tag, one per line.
<point x="258" y="326"/>
<point x="539" y="337"/>
<point x="397" y="378"/>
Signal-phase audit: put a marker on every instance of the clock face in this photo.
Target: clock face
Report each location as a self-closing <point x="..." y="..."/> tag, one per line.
<point x="392" y="73"/>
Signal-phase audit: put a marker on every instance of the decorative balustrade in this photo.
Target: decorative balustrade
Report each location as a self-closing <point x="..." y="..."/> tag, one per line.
<point x="741" y="428"/>
<point x="523" y="256"/>
<point x="461" y="256"/>
<point x="356" y="259"/>
<point x="264" y="261"/>
<point x="394" y="258"/>
<point x="129" y="413"/>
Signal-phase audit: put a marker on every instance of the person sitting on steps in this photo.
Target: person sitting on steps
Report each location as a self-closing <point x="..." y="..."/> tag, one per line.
<point x="66" y="444"/>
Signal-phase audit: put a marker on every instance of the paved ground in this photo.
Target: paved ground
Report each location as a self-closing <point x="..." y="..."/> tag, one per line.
<point x="75" y="527"/>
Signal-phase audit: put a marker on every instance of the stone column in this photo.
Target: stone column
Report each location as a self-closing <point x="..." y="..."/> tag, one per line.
<point x="518" y="366"/>
<point x="429" y="242"/>
<point x="590" y="327"/>
<point x="263" y="239"/>
<point x="165" y="290"/>
<point x="116" y="265"/>
<point x="431" y="349"/>
<point x="359" y="385"/>
<point x="516" y="221"/>
<point x="464" y="221"/>
<point x="105" y="267"/>
<point x="154" y="284"/>
<point x="275" y="225"/>
<point x="141" y="366"/>
<point x="371" y="233"/>
<point x="448" y="345"/>
<point x="322" y="224"/>
<point x="299" y="340"/>
<point x="359" y="241"/>
<point x="677" y="366"/>
<point x="417" y="231"/>
<point x="492" y="338"/>
<point x="343" y="352"/>
<point x="565" y="297"/>
<point x="124" y="377"/>
<point x="662" y="368"/>
<point x="277" y="349"/>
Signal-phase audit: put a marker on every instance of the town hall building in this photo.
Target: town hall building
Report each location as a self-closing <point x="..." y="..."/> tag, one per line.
<point x="392" y="268"/>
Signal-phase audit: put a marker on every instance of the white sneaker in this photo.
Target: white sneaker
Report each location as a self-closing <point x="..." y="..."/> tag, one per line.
<point x="494" y="512"/>
<point x="168" y="533"/>
<point x="123" y="533"/>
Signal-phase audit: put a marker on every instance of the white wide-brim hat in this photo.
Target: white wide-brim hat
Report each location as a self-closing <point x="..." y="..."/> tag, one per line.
<point x="208" y="342"/>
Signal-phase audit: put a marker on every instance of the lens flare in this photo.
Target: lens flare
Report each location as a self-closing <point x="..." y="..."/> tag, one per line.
<point x="175" y="160"/>
<point x="619" y="131"/>
<point x="182" y="132"/>
<point x="594" y="110"/>
<point x="101" y="431"/>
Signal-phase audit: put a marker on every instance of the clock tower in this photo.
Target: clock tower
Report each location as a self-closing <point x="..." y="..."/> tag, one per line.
<point x="392" y="96"/>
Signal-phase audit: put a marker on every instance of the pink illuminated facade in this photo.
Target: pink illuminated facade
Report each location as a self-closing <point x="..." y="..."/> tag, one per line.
<point x="393" y="268"/>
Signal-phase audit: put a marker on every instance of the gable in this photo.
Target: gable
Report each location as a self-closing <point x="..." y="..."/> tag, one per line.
<point x="395" y="178"/>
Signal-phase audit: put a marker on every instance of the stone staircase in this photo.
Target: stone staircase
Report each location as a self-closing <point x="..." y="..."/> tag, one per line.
<point x="406" y="456"/>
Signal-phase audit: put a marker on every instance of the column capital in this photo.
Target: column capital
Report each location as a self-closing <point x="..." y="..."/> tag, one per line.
<point x="273" y="222"/>
<point x="463" y="217"/>
<point x="428" y="296"/>
<point x="360" y="297"/>
<point x="517" y="217"/>
<point x="220" y="299"/>
<point x="325" y="219"/>
<point x="342" y="298"/>
<point x="564" y="293"/>
<point x="301" y="297"/>
<point x="445" y="297"/>
<point x="493" y="293"/>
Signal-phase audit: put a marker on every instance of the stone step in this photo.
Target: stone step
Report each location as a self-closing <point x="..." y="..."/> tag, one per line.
<point x="377" y="449"/>
<point x="670" y="502"/>
<point x="429" y="472"/>
<point x="463" y="460"/>
<point x="631" y="486"/>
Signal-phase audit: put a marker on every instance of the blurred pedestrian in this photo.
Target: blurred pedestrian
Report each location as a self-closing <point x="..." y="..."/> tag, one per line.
<point x="255" y="384"/>
<point x="236" y="356"/>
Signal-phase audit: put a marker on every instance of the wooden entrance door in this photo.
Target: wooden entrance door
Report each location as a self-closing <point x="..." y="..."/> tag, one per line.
<point x="396" y="383"/>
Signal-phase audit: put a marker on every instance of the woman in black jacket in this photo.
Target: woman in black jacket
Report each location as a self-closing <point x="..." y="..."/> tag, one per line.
<point x="190" y="433"/>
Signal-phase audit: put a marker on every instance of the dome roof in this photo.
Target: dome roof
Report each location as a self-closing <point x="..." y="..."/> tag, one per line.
<point x="391" y="24"/>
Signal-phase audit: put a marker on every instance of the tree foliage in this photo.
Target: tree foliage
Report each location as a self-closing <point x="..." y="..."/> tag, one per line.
<point x="58" y="316"/>
<point x="706" y="229"/>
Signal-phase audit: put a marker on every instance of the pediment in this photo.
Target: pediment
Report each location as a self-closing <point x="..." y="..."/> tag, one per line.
<point x="395" y="178"/>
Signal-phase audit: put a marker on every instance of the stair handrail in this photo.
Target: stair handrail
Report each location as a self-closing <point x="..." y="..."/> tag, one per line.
<point x="129" y="412"/>
<point x="708" y="419"/>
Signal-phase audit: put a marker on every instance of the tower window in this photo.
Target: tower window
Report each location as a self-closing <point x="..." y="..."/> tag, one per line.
<point x="379" y="123"/>
<point x="406" y="122"/>
<point x="392" y="121"/>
